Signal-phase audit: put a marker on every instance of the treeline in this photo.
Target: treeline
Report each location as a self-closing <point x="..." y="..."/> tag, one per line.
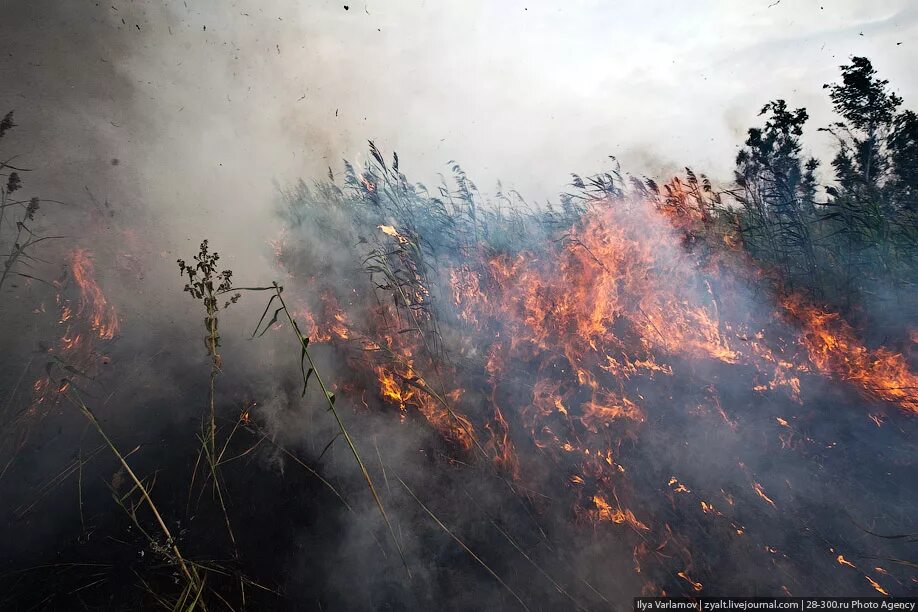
<point x="852" y="242"/>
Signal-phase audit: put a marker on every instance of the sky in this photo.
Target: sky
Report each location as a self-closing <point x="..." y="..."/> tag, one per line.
<point x="209" y="105"/>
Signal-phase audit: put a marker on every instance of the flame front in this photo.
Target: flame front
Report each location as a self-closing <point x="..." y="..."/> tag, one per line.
<point x="574" y="352"/>
<point x="93" y="302"/>
<point x="84" y="321"/>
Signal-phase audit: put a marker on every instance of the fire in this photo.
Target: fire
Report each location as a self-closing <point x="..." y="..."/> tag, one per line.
<point x="100" y="313"/>
<point x="574" y="350"/>
<point x="605" y="512"/>
<point x="371" y="187"/>
<point x="842" y="561"/>
<point x="760" y="491"/>
<point x="86" y="319"/>
<point x="877" y="586"/>
<point x="601" y="414"/>
<point x="833" y="348"/>
<point x="501" y="445"/>
<point x="407" y="391"/>
<point x="695" y="585"/>
<point x="335" y="324"/>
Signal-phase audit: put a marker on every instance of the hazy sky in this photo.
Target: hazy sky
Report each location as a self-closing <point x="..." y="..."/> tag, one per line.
<point x="525" y="91"/>
<point x="204" y="103"/>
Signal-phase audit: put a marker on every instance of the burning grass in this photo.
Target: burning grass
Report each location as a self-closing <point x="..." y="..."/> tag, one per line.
<point x="571" y="340"/>
<point x="618" y="400"/>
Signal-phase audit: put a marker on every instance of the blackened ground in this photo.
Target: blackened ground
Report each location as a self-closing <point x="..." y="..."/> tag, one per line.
<point x="840" y="476"/>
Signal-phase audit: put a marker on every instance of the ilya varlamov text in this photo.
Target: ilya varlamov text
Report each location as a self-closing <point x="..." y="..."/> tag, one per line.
<point x="779" y="603"/>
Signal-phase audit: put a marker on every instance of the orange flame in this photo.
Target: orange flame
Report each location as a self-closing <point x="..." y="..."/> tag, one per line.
<point x="562" y="345"/>
<point x="834" y="349"/>
<point x="101" y="314"/>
